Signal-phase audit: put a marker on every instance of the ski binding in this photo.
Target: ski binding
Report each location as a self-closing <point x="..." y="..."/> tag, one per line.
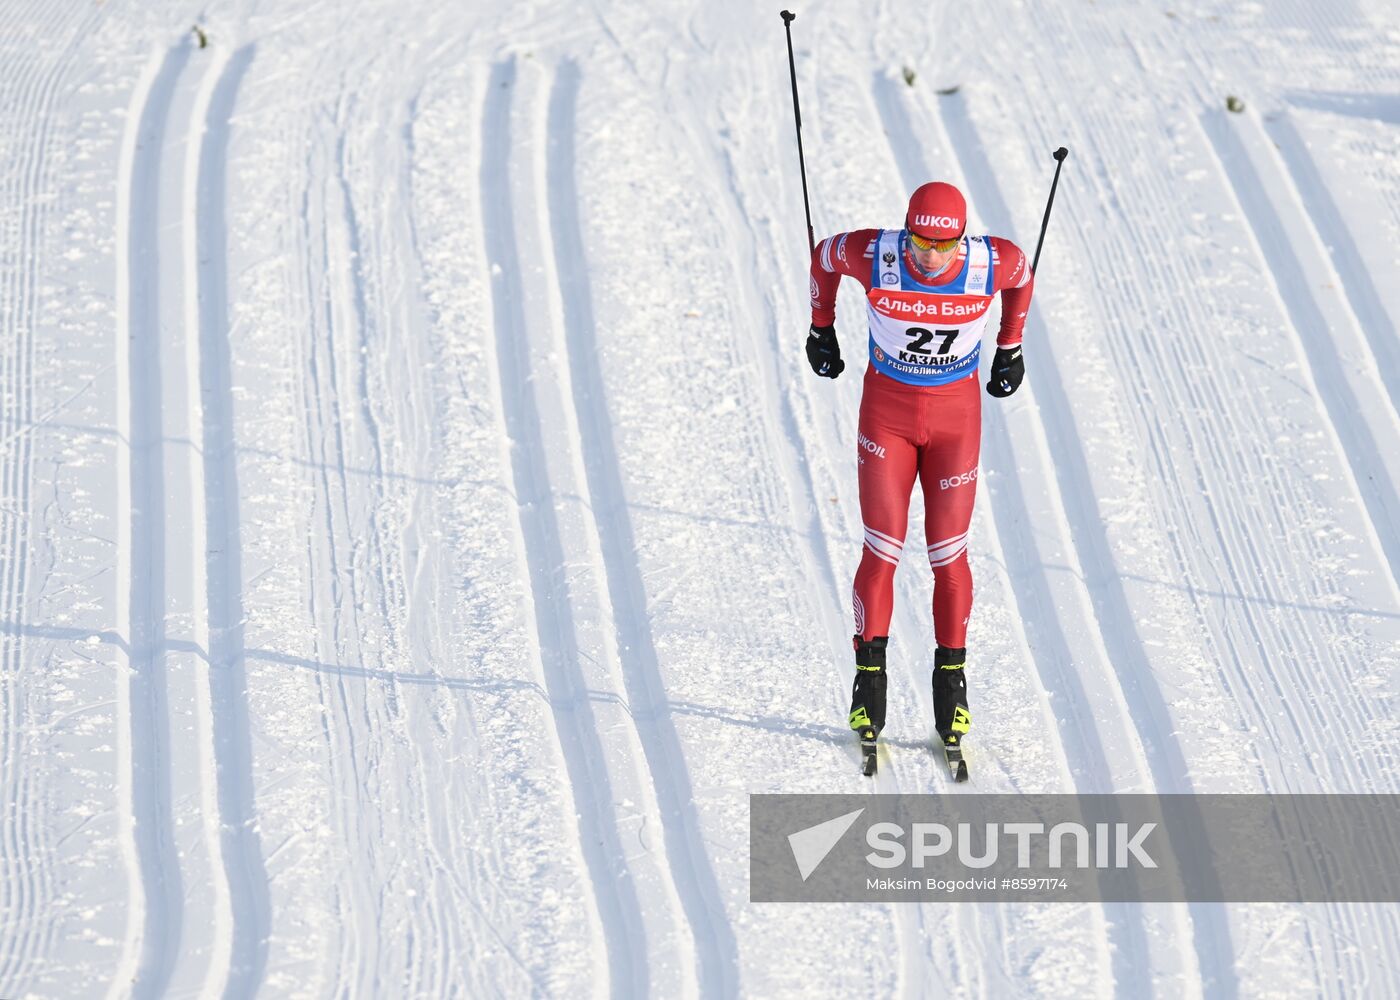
<point x="957" y="767"/>
<point x="868" y="764"/>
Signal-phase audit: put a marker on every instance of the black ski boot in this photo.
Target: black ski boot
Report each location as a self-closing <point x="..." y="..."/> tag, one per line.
<point x="868" y="697"/>
<point x="950" y="715"/>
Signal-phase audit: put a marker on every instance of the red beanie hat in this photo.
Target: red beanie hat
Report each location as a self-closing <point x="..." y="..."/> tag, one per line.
<point x="937" y="211"/>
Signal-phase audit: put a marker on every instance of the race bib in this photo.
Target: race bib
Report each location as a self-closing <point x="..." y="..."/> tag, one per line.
<point x="925" y="337"/>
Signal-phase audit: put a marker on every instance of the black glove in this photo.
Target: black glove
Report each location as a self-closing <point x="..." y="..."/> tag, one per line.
<point x="823" y="352"/>
<point x="1008" y="368"/>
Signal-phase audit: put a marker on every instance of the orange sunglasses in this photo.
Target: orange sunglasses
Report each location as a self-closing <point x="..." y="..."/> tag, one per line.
<point x="924" y="244"/>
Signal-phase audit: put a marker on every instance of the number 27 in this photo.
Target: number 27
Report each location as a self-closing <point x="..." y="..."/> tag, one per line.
<point x="919" y="345"/>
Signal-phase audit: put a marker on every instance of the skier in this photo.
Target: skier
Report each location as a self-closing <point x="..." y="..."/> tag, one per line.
<point x="929" y="289"/>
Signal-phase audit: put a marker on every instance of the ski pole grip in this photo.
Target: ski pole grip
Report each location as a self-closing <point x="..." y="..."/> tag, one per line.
<point x="1060" y="154"/>
<point x="788" y="17"/>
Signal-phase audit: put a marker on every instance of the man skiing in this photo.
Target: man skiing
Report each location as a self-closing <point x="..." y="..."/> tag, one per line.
<point x="929" y="289"/>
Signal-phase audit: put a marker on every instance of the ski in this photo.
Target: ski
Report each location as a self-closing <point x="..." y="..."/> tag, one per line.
<point x="957" y="767"/>
<point x="868" y="764"/>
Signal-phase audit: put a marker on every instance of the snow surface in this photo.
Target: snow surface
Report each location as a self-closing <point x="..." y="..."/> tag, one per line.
<point x="421" y="532"/>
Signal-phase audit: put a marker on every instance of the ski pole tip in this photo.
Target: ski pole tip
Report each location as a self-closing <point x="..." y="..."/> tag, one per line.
<point x="788" y="17"/>
<point x="1060" y="154"/>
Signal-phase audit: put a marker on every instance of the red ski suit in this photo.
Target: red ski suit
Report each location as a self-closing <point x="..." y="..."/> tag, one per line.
<point x="920" y="411"/>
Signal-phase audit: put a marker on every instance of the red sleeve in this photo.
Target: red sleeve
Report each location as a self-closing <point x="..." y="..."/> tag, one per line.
<point x="1016" y="283"/>
<point x="850" y="253"/>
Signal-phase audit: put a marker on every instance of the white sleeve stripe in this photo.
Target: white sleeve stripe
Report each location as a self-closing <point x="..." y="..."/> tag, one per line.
<point x="826" y="255"/>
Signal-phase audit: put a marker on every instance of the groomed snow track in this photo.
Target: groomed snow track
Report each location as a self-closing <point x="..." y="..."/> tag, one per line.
<point x="420" y="532"/>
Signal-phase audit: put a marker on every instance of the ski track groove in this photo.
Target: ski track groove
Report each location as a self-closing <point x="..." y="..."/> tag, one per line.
<point x="613" y="890"/>
<point x="351" y="895"/>
<point x="235" y="840"/>
<point x="1351" y="434"/>
<point x="448" y="895"/>
<point x="1033" y="594"/>
<point x="1233" y="518"/>
<point x="1354" y="436"/>
<point x="1198" y="396"/>
<point x="816" y="553"/>
<point x="1029" y="586"/>
<point x="1358" y="281"/>
<point x="1245" y="563"/>
<point x="799" y="485"/>
<point x="1249" y="566"/>
<point x="25" y="867"/>
<point x="392" y="243"/>
<point x="364" y="326"/>
<point x="365" y="263"/>
<point x="1123" y="934"/>
<point x="1209" y="395"/>
<point x="154" y="874"/>
<point x="911" y="598"/>
<point x="1377" y="325"/>
<point x="175" y="275"/>
<point x="1198" y="400"/>
<point x="26" y="863"/>
<point x="301" y="274"/>
<point x="356" y="252"/>
<point x="1139" y="691"/>
<point x="691" y="870"/>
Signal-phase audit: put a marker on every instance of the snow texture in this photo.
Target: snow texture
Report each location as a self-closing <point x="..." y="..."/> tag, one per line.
<point x="420" y="531"/>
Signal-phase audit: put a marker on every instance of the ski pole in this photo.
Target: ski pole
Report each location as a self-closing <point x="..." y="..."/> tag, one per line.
<point x="1059" y="155"/>
<point x="788" y="17"/>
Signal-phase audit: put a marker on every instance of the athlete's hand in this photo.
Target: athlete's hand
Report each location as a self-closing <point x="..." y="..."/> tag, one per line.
<point x="1008" y="368"/>
<point x="824" y="353"/>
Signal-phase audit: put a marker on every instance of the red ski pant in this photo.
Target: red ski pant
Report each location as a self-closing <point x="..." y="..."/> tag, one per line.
<point x="934" y="434"/>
